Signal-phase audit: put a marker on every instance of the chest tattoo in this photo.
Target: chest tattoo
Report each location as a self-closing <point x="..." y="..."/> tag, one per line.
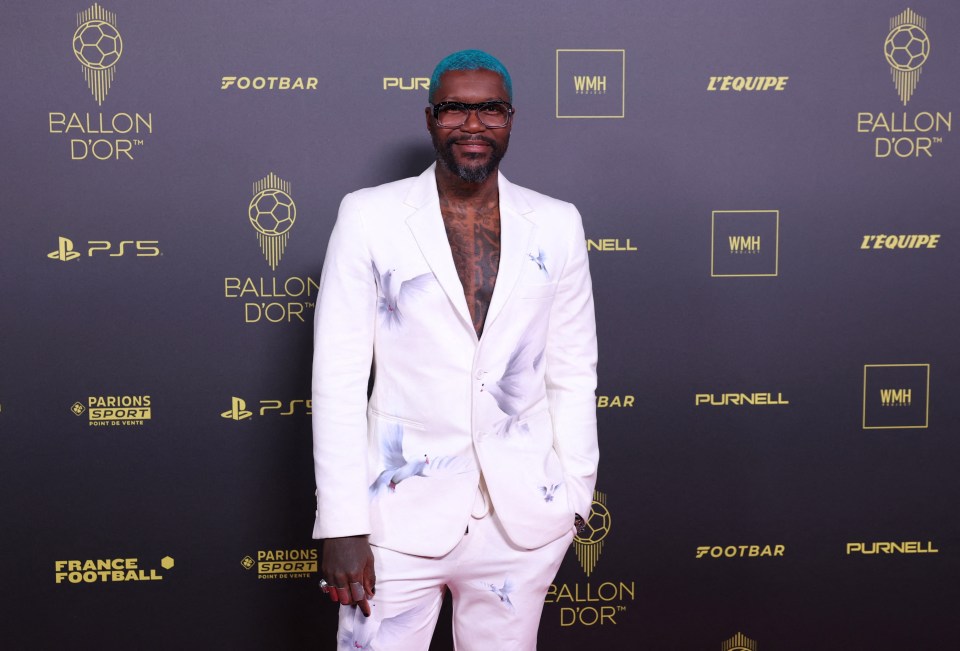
<point x="474" y="236"/>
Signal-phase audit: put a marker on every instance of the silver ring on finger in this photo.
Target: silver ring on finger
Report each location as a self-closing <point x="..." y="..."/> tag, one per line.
<point x="356" y="591"/>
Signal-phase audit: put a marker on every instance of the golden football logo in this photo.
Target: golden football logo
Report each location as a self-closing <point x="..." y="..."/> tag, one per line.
<point x="272" y="213"/>
<point x="907" y="48"/>
<point x="589" y="543"/>
<point x="739" y="642"/>
<point x="97" y="45"/>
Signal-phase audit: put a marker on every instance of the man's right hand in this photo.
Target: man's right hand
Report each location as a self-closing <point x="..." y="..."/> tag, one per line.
<point x="348" y="569"/>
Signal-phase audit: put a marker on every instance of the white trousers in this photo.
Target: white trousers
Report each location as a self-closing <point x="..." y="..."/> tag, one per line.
<point x="498" y="591"/>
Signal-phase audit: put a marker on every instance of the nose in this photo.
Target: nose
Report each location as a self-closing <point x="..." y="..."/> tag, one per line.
<point x="473" y="123"/>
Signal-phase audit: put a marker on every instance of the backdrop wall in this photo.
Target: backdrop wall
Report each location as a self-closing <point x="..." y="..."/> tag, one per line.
<point x="770" y="198"/>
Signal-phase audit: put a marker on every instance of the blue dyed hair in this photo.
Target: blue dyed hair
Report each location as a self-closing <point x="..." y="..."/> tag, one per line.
<point x="470" y="60"/>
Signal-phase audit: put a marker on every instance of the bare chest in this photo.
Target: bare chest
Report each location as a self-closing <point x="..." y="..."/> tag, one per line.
<point x="474" y="237"/>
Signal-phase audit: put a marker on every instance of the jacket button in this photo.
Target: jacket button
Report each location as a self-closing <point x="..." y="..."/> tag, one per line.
<point x="481" y="374"/>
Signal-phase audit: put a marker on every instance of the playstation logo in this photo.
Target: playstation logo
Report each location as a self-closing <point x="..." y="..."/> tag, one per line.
<point x="238" y="410"/>
<point x="64" y="252"/>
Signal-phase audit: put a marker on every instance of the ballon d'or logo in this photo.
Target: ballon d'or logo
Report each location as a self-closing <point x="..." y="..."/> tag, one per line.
<point x="906" y="48"/>
<point x="272" y="213"/>
<point x="739" y="642"/>
<point x="97" y="45"/>
<point x="589" y="543"/>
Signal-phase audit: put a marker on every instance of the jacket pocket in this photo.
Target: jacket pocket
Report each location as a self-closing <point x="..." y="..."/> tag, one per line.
<point x="536" y="291"/>
<point x="406" y="422"/>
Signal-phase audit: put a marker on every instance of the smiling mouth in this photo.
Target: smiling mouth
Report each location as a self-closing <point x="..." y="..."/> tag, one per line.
<point x="473" y="144"/>
<point x="474" y="140"/>
<point x="473" y="149"/>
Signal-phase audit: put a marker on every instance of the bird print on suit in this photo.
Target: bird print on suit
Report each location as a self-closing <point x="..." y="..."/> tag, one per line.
<point x="548" y="492"/>
<point x="521" y="379"/>
<point x="375" y="634"/>
<point x="360" y="634"/>
<point x="541" y="261"/>
<point x="392" y="293"/>
<point x="398" y="468"/>
<point x="502" y="592"/>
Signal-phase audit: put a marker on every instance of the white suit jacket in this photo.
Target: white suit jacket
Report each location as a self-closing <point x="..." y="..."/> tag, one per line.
<point x="516" y="405"/>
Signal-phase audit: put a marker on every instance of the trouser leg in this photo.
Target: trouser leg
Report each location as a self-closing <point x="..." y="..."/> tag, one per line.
<point x="498" y="589"/>
<point x="403" y="612"/>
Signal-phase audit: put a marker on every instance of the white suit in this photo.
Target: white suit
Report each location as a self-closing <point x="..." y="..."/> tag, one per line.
<point x="516" y="405"/>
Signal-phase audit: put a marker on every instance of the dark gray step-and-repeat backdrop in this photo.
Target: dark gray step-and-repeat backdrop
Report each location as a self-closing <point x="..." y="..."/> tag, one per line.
<point x="770" y="195"/>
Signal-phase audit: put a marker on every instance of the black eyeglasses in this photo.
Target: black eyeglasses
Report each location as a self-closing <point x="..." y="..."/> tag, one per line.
<point x="493" y="115"/>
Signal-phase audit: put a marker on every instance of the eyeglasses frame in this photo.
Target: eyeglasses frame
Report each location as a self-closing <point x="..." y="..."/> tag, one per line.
<point x="471" y="108"/>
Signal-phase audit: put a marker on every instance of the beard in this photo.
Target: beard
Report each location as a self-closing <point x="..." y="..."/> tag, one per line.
<point x="472" y="169"/>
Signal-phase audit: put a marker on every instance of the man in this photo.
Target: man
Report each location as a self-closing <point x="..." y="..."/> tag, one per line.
<point x="466" y="468"/>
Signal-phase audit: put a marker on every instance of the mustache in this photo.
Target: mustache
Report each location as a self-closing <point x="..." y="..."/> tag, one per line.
<point x="483" y="139"/>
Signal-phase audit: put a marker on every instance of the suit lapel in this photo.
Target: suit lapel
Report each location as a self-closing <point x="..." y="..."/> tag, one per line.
<point x="426" y="224"/>
<point x="516" y="235"/>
